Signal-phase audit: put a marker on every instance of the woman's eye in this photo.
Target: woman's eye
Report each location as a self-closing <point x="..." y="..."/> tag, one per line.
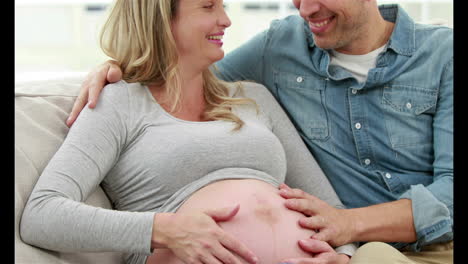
<point x="210" y="6"/>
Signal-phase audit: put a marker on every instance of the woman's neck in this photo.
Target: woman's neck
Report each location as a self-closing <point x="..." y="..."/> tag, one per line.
<point x="192" y="98"/>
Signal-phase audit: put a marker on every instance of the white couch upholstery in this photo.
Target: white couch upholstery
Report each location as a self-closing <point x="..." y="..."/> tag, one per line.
<point x="41" y="108"/>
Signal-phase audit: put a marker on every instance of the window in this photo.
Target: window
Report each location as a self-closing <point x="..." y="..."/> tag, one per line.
<point x="56" y="37"/>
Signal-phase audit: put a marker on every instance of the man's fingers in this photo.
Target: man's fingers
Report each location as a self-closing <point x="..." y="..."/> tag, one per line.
<point x="240" y="249"/>
<point x="97" y="84"/>
<point x="289" y="193"/>
<point x="313" y="222"/>
<point x="324" y="235"/>
<point x="301" y="261"/>
<point x="79" y="104"/>
<point x="315" y="246"/>
<point x="304" y="206"/>
<point x="115" y="73"/>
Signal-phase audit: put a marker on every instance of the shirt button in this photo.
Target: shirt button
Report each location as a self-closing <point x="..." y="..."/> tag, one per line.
<point x="299" y="79"/>
<point x="408" y="105"/>
<point x="388" y="175"/>
<point x="357" y="125"/>
<point x="354" y="91"/>
<point x="367" y="161"/>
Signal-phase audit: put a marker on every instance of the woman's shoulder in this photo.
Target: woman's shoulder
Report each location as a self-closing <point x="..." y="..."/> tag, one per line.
<point x="124" y="93"/>
<point x="121" y="89"/>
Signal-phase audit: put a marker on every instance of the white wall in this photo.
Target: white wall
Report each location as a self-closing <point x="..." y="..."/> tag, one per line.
<point x="60" y="36"/>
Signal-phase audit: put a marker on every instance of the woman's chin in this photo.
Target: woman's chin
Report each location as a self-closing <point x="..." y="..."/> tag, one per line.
<point x="217" y="55"/>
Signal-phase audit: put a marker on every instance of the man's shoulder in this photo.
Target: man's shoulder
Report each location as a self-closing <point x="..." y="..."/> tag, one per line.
<point x="439" y="34"/>
<point x="288" y="21"/>
<point x="287" y="25"/>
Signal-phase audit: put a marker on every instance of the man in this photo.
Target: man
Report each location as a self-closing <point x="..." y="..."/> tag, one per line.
<point x="371" y="93"/>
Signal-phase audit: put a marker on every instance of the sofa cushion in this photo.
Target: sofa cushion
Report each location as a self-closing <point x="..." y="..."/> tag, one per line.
<point x="41" y="108"/>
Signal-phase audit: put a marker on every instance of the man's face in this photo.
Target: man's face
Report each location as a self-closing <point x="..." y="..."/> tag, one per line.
<point x="335" y="24"/>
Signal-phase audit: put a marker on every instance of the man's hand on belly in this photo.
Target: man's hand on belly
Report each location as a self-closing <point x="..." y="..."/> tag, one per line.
<point x="321" y="252"/>
<point x="332" y="225"/>
<point x="385" y="222"/>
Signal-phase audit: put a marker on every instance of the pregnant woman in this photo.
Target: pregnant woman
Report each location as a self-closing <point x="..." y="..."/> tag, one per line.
<point x="190" y="163"/>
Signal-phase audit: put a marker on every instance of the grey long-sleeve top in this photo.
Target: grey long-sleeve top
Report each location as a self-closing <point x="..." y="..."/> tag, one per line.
<point x="148" y="162"/>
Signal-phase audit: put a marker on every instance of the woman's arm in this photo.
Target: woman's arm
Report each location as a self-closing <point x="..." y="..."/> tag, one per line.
<point x="55" y="216"/>
<point x="107" y="72"/>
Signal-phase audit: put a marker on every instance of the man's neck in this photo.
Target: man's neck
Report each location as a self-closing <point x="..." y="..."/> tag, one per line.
<point x="375" y="37"/>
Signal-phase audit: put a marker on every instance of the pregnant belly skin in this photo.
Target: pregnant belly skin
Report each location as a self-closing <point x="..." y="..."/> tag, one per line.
<point x="263" y="223"/>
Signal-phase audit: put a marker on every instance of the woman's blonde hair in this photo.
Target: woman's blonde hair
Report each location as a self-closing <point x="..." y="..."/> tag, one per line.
<point x="138" y="36"/>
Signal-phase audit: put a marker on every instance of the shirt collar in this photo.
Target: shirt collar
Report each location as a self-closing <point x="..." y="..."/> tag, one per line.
<point x="402" y="38"/>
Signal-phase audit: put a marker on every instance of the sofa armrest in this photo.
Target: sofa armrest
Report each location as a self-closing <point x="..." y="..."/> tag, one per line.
<point x="41" y="108"/>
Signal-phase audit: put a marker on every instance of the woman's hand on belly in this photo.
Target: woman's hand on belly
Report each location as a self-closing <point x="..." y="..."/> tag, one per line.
<point x="195" y="237"/>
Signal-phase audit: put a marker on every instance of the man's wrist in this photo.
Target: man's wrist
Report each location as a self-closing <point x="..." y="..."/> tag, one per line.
<point x="356" y="225"/>
<point x="385" y="222"/>
<point x="343" y="258"/>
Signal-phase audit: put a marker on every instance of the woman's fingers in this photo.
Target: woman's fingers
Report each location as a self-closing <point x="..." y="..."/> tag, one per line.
<point x="240" y="249"/>
<point x="223" y="214"/>
<point x="229" y="242"/>
<point x="226" y="256"/>
<point x="211" y="259"/>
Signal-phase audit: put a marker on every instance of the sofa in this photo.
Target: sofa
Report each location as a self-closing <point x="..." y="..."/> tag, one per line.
<point x="41" y="108"/>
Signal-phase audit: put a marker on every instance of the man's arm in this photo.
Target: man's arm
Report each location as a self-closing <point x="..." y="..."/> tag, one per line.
<point x="433" y="204"/>
<point x="387" y="222"/>
<point x="422" y="215"/>
<point x="245" y="62"/>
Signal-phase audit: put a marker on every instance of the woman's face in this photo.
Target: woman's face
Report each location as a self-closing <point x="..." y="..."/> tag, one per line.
<point x="198" y="29"/>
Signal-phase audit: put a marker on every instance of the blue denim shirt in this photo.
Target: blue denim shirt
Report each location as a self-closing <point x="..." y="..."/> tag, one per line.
<point x="379" y="141"/>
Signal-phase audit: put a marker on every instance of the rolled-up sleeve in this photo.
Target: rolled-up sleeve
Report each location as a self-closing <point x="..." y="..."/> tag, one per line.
<point x="433" y="204"/>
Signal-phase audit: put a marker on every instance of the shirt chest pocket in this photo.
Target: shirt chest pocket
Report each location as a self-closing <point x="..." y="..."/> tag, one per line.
<point x="303" y="98"/>
<point x="408" y="115"/>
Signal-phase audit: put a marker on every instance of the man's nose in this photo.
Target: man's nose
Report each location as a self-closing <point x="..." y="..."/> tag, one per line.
<point x="308" y="7"/>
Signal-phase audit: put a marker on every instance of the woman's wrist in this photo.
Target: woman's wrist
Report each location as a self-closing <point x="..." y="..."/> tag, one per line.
<point x="160" y="223"/>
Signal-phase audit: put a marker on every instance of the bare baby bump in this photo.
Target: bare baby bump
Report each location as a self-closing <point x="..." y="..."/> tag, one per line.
<point x="263" y="223"/>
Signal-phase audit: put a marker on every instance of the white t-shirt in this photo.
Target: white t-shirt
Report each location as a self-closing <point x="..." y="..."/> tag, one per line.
<point x="357" y="65"/>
